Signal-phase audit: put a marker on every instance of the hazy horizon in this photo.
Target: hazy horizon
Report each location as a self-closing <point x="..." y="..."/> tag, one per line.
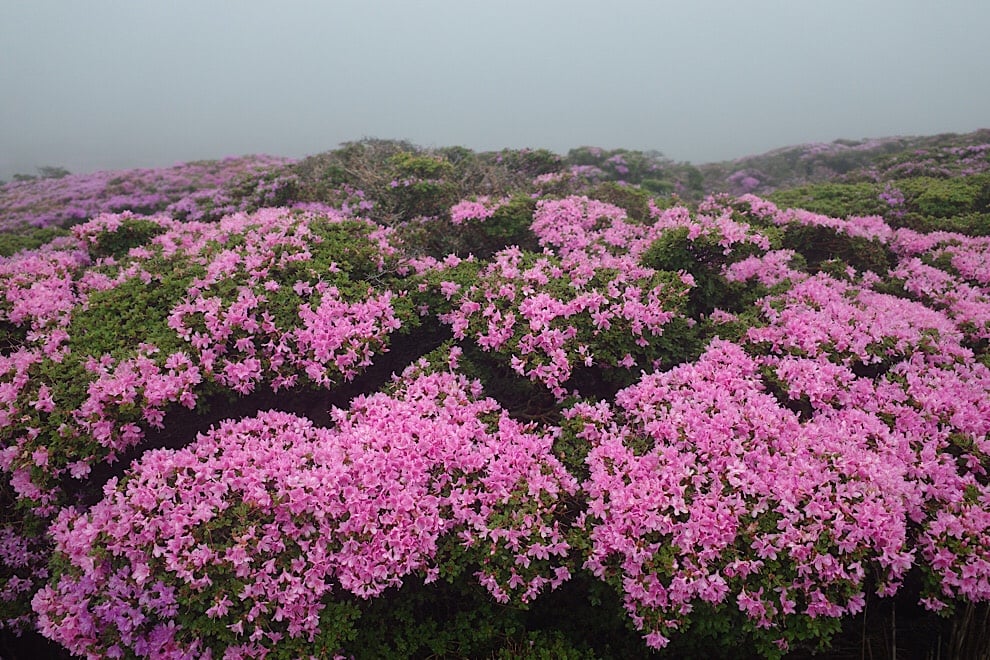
<point x="110" y="84"/>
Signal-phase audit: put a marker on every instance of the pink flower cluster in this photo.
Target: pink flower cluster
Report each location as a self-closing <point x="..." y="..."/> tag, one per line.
<point x="241" y="338"/>
<point x="38" y="292"/>
<point x="869" y="227"/>
<point x="44" y="202"/>
<point x="24" y="562"/>
<point x="142" y="382"/>
<point x="965" y="258"/>
<point x="583" y="230"/>
<point x="241" y="327"/>
<point x="824" y="316"/>
<point x="295" y="515"/>
<point x="705" y="489"/>
<point x="122" y="397"/>
<point x="546" y="316"/>
<point x="966" y="304"/>
<point x="480" y="209"/>
<point x="769" y="269"/>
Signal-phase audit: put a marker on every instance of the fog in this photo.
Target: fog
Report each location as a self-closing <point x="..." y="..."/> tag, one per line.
<point x="112" y="84"/>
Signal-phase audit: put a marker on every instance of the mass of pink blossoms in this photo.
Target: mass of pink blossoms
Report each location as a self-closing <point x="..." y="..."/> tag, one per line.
<point x="545" y="315"/>
<point x="704" y="489"/>
<point x="190" y="191"/>
<point x="480" y="209"/>
<point x="297" y="515"/>
<point x="252" y="310"/>
<point x="816" y="442"/>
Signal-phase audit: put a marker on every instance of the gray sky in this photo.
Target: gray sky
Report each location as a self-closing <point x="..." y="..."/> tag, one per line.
<point x="101" y="84"/>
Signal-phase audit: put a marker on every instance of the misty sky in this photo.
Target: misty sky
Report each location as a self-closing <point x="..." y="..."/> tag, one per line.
<point x="110" y="84"/>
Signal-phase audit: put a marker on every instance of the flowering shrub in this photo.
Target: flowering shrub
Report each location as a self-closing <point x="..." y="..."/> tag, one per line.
<point x="703" y="491"/>
<point x="481" y="227"/>
<point x="275" y="297"/>
<point x="480" y="209"/>
<point x="966" y="304"/>
<point x="822" y="316"/>
<point x="194" y="191"/>
<point x="726" y="424"/>
<point x="252" y="537"/>
<point x="603" y="317"/>
<point x="282" y="305"/>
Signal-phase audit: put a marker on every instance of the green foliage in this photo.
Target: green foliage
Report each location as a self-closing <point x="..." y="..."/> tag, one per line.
<point x="959" y="204"/>
<point x="703" y="258"/>
<point x="945" y="198"/>
<point x="53" y="172"/>
<point x="510" y="225"/>
<point x="695" y="180"/>
<point x="13" y="242"/>
<point x="836" y="200"/>
<point x="346" y="246"/>
<point x="116" y="320"/>
<point x="435" y="237"/>
<point x="133" y="232"/>
<point x="820" y="244"/>
<point x="405" y="163"/>
<point x="635" y="201"/>
<point x="278" y="187"/>
<point x="658" y="186"/>
<point x="457" y="618"/>
<point x="723" y="632"/>
<point x="531" y="162"/>
<point x="382" y="171"/>
<point x="524" y="399"/>
<point x="420" y="185"/>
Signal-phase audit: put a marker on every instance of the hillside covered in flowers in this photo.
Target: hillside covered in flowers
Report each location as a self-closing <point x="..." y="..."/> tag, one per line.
<point x="388" y="401"/>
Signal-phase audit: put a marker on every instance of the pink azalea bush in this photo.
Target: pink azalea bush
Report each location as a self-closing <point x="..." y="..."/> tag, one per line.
<point x="193" y="191"/>
<point x="480" y="209"/>
<point x="303" y="519"/>
<point x="545" y="319"/>
<point x="748" y="424"/>
<point x="704" y="490"/>
<point x="851" y="324"/>
<point x="227" y="323"/>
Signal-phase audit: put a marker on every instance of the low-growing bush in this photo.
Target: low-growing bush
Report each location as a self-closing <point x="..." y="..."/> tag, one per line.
<point x="515" y="408"/>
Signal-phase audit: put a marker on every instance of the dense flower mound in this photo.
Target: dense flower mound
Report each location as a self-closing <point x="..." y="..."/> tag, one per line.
<point x="588" y="232"/>
<point x="251" y="538"/>
<point x="274" y="305"/>
<point x="37" y="294"/>
<point x="966" y="304"/>
<point x="852" y="324"/>
<point x="716" y="221"/>
<point x="769" y="269"/>
<point x="575" y="223"/>
<point x="704" y="490"/>
<point x="940" y="410"/>
<point x="741" y="425"/>
<point x="275" y="297"/>
<point x="192" y="190"/>
<point x="967" y="257"/>
<point x="479" y="209"/>
<point x="545" y="316"/>
<point x="869" y="227"/>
